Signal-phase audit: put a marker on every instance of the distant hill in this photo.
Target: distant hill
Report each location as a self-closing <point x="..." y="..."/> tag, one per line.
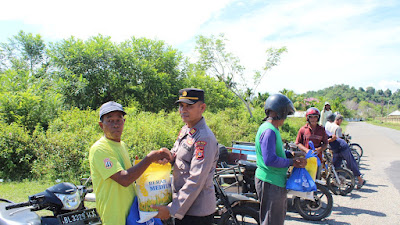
<point x="345" y="92"/>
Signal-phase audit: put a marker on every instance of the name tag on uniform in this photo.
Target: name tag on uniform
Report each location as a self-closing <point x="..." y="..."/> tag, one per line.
<point x="187" y="147"/>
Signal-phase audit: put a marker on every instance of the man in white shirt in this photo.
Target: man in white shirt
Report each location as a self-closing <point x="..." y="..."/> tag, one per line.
<point x="341" y="149"/>
<point x="330" y="122"/>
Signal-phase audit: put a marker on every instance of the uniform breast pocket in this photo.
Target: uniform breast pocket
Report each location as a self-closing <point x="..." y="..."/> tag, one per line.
<point x="183" y="159"/>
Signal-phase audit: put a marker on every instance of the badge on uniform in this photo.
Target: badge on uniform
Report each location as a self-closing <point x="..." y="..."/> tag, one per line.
<point x="190" y="141"/>
<point x="192" y="131"/>
<point x="200" y="143"/>
<point x="107" y="163"/>
<point x="199" y="153"/>
<point x="200" y="149"/>
<point x="181" y="134"/>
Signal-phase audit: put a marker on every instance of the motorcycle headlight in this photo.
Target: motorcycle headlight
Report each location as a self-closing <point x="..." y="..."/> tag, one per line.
<point x="70" y="201"/>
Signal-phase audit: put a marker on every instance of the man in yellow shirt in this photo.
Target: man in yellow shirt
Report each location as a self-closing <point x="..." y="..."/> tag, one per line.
<point x="111" y="170"/>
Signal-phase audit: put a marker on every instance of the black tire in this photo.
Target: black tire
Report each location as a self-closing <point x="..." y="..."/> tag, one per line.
<point x="244" y="214"/>
<point x="347" y="182"/>
<point x="356" y="156"/>
<point x="357" y="148"/>
<point x="318" y="209"/>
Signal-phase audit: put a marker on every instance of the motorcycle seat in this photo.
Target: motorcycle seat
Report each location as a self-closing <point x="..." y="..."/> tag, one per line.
<point x="247" y="165"/>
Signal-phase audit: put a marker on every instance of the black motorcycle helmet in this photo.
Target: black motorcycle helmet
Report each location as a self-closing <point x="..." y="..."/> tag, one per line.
<point x="280" y="104"/>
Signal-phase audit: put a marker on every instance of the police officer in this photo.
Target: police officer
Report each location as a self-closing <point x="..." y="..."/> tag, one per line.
<point x="195" y="155"/>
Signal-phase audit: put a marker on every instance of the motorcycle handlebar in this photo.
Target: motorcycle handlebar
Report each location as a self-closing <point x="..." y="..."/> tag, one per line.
<point x="18" y="205"/>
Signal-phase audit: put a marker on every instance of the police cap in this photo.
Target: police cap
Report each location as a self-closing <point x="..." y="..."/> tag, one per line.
<point x="190" y="95"/>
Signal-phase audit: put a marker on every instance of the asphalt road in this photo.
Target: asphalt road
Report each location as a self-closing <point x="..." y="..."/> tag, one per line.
<point x="379" y="200"/>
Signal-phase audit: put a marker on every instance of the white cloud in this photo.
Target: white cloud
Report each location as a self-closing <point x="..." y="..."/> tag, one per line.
<point x="393" y="85"/>
<point x="173" y="21"/>
<point x="329" y="42"/>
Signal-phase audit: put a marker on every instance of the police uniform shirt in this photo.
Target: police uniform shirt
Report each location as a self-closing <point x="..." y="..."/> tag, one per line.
<point x="196" y="156"/>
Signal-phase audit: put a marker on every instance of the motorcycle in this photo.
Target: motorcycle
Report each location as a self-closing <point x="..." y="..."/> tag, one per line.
<point x="64" y="200"/>
<point x="233" y="208"/>
<point x="355" y="148"/>
<point x="339" y="180"/>
<point x="316" y="209"/>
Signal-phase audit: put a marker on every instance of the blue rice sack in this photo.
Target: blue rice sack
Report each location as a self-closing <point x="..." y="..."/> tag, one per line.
<point x="133" y="216"/>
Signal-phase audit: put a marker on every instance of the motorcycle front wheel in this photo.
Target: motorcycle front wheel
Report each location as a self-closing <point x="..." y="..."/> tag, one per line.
<point x="346" y="182"/>
<point x="358" y="148"/>
<point x="318" y="209"/>
<point x="245" y="216"/>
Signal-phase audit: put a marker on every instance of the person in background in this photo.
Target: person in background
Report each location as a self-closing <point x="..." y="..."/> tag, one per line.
<point x="111" y="169"/>
<point x="330" y="121"/>
<point x="341" y="150"/>
<point x="326" y="111"/>
<point x="312" y="131"/>
<point x="195" y="158"/>
<point x="273" y="161"/>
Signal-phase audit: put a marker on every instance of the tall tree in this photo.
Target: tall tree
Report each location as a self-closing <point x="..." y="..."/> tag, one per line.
<point x="97" y="70"/>
<point x="272" y="59"/>
<point x="218" y="62"/>
<point x="23" y="49"/>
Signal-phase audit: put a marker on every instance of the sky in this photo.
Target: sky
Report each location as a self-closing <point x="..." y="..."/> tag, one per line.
<point x="352" y="42"/>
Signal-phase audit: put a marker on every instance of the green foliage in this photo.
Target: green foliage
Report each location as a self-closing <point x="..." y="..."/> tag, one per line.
<point x="62" y="151"/>
<point x="24" y="51"/>
<point x="28" y="108"/>
<point x="385" y="124"/>
<point x="216" y="61"/>
<point x="97" y="70"/>
<point x="232" y="125"/>
<point x="16" y="152"/>
<point x="145" y="131"/>
<point x="27" y="97"/>
<point x="27" y="100"/>
<point x="381" y="102"/>
<point x="291" y="127"/>
<point x="48" y="99"/>
<point x="217" y="96"/>
<point x="19" y="191"/>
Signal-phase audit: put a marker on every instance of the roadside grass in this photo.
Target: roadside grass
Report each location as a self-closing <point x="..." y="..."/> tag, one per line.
<point x="395" y="126"/>
<point x="20" y="191"/>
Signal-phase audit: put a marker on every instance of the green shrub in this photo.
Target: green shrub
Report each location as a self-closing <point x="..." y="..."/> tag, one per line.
<point x="145" y="131"/>
<point x="291" y="127"/>
<point x="16" y="152"/>
<point x="62" y="151"/>
<point x="233" y="125"/>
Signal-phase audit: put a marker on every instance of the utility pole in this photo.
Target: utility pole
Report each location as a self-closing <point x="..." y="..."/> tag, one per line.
<point x="387" y="115"/>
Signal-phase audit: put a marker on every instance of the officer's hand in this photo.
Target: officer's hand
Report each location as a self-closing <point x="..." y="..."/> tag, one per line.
<point x="163" y="212"/>
<point x="299" y="162"/>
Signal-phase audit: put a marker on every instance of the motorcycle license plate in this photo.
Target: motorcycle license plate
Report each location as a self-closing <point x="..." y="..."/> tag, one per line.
<point x="81" y="217"/>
